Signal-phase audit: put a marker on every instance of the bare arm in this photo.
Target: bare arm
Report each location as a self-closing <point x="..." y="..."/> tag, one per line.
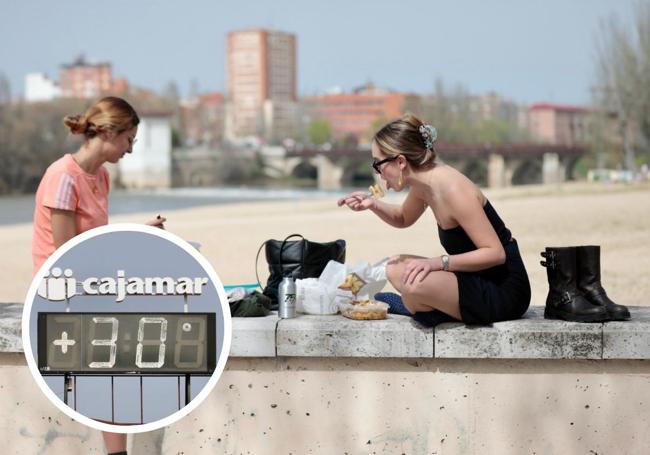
<point x="399" y="216"/>
<point x="468" y="212"/>
<point x="63" y="226"/>
<point x="470" y="215"/>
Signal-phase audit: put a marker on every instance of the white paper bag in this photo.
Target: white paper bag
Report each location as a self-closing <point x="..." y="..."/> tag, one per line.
<point x="373" y="274"/>
<point x="312" y="297"/>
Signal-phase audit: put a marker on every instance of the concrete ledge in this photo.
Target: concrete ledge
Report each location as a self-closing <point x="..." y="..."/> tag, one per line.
<point x="254" y="337"/>
<point x="628" y="339"/>
<point x="532" y="337"/>
<point x="337" y="336"/>
<point x="11" y="315"/>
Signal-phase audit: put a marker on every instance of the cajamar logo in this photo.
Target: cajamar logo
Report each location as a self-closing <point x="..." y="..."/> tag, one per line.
<point x="60" y="285"/>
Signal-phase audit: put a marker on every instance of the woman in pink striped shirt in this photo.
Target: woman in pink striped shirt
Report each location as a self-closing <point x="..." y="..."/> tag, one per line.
<point x="73" y="194"/>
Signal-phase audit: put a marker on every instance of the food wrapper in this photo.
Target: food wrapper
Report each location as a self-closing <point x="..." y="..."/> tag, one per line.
<point x="323" y="296"/>
<point x="372" y="275"/>
<point x="352" y="283"/>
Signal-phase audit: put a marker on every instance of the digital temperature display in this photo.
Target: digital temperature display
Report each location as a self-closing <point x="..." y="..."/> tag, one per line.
<point x="122" y="343"/>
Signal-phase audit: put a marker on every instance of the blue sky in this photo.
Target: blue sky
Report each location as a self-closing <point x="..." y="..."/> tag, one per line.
<point x="527" y="51"/>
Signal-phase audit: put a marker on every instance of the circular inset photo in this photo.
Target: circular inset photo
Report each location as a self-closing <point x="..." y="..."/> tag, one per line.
<point x="126" y="328"/>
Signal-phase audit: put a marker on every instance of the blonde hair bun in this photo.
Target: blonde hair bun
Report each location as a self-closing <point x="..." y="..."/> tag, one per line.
<point x="77" y="124"/>
<point x="109" y="115"/>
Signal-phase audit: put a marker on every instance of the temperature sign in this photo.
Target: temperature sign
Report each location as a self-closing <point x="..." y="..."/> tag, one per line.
<point x="122" y="343"/>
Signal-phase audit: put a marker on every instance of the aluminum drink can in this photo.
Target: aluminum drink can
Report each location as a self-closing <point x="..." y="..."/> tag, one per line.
<point x="287" y="298"/>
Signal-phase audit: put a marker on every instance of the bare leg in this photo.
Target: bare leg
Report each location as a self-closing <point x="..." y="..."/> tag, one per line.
<point x="114" y="442"/>
<point x="438" y="290"/>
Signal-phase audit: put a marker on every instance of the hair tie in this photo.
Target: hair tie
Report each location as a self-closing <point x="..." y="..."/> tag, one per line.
<point x="429" y="134"/>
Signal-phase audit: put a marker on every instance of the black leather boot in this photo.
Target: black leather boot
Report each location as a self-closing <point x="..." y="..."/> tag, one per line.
<point x="564" y="300"/>
<point x="590" y="285"/>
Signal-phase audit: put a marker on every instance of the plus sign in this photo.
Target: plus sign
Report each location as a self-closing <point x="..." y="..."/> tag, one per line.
<point x="64" y="342"/>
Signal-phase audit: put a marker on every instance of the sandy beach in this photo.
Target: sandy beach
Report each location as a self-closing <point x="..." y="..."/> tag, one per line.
<point x="617" y="217"/>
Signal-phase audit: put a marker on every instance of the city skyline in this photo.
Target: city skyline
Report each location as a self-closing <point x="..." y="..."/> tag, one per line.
<point x="531" y="53"/>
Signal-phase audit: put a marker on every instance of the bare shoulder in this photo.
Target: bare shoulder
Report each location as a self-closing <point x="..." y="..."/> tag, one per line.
<point x="455" y="188"/>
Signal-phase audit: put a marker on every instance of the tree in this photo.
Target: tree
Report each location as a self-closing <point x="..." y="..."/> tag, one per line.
<point x="171" y="92"/>
<point x="32" y="136"/>
<point x="623" y="79"/>
<point x="319" y="132"/>
<point x="376" y="125"/>
<point x="463" y="118"/>
<point x="194" y="89"/>
<point x="5" y="89"/>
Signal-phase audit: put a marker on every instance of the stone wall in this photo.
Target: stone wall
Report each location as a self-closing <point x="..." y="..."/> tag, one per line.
<point x="328" y="385"/>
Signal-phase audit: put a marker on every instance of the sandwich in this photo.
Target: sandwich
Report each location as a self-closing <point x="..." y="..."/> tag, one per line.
<point x="376" y="191"/>
<point x="352" y="283"/>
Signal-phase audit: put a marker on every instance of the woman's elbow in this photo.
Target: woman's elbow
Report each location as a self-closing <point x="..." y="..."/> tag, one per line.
<point x="398" y="223"/>
<point x="404" y="223"/>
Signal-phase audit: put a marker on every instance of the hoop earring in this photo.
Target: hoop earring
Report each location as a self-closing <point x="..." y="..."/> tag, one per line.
<point x="400" y="181"/>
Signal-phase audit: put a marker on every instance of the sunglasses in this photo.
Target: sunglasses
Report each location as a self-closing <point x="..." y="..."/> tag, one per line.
<point x="376" y="164"/>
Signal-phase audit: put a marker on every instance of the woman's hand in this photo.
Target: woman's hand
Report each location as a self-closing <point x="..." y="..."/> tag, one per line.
<point x="357" y="201"/>
<point x="416" y="270"/>
<point x="157" y="222"/>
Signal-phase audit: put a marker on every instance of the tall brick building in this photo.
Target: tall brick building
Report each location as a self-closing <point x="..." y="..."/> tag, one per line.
<point x="261" y="83"/>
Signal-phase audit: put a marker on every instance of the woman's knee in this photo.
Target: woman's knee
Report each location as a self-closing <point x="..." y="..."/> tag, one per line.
<point x="394" y="268"/>
<point x="413" y="297"/>
<point x="438" y="292"/>
<point x="427" y="295"/>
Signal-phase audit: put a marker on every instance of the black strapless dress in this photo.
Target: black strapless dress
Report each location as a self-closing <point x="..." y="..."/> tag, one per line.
<point x="499" y="293"/>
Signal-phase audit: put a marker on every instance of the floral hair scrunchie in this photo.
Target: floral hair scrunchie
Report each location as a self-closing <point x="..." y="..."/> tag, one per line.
<point x="429" y="134"/>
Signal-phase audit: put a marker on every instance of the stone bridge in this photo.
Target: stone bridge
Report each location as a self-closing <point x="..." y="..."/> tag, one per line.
<point x="491" y="166"/>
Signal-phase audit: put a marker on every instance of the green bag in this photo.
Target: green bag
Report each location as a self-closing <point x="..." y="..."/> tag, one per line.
<point x="254" y="304"/>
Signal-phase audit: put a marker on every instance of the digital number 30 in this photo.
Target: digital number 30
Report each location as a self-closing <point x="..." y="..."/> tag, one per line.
<point x="181" y="343"/>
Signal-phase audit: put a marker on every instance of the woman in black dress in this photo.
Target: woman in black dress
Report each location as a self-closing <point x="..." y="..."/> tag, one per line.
<point x="482" y="278"/>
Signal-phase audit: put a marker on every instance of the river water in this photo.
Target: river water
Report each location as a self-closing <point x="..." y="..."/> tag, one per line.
<point x="20" y="209"/>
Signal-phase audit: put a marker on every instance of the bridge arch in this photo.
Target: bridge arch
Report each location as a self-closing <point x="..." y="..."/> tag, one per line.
<point x="305" y="170"/>
<point x="476" y="170"/>
<point x="357" y="172"/>
<point x="570" y="162"/>
<point x="202" y="177"/>
<point x="526" y="171"/>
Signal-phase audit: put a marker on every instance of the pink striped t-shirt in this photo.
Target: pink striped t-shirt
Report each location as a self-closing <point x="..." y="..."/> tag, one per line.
<point x="67" y="186"/>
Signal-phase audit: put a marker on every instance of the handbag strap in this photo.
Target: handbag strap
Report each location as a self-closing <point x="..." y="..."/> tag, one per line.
<point x="257" y="256"/>
<point x="282" y="248"/>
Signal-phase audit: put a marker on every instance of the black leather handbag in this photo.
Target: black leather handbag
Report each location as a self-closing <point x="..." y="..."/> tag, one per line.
<point x="298" y="259"/>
